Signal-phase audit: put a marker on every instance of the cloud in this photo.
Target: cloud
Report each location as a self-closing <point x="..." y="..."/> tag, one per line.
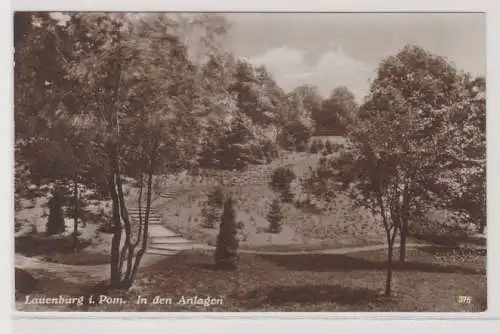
<point x="333" y="68"/>
<point x="60" y="18"/>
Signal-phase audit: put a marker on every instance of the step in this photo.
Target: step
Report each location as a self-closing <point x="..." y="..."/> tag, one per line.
<point x="156" y="222"/>
<point x="157" y="230"/>
<point x="136" y="215"/>
<point x="143" y="212"/>
<point x="136" y="207"/>
<point x="170" y="240"/>
<point x="142" y="216"/>
<point x="175" y="247"/>
<point x="161" y="252"/>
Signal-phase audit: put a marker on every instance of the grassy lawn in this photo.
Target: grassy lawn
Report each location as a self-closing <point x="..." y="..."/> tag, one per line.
<point x="59" y="249"/>
<point x="31" y="240"/>
<point x="78" y="258"/>
<point x="303" y="227"/>
<point x="431" y="280"/>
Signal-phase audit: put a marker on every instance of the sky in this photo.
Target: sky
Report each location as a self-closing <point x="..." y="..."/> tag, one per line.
<point x="333" y="49"/>
<point x="344" y="49"/>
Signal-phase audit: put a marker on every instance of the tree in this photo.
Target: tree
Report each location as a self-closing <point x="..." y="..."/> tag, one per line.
<point x="275" y="217"/>
<point x="295" y="136"/>
<point x="320" y="145"/>
<point x="339" y="105"/>
<point x="55" y="222"/>
<point x="399" y="151"/>
<point x="304" y="103"/>
<point x="467" y="189"/>
<point x="47" y="143"/>
<point x="258" y="96"/>
<point x="418" y="94"/>
<point x="314" y="148"/>
<point x="227" y="244"/>
<point x="136" y="88"/>
<point x="38" y="73"/>
<point x="296" y="123"/>
<point x="280" y="182"/>
<point x="328" y="147"/>
<point x="240" y="107"/>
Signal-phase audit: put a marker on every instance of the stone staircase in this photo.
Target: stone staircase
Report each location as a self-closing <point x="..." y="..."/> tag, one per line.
<point x="162" y="241"/>
<point x="169" y="194"/>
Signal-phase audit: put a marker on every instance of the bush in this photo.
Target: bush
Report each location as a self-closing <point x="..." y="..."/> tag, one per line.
<point x="328" y="147"/>
<point x="17" y="225"/>
<point x="320" y="145"/>
<point x="267" y="150"/>
<point x="70" y="209"/>
<point x="106" y="227"/>
<point x="314" y="147"/>
<point x="295" y="136"/>
<point x="275" y="217"/>
<point x="281" y="180"/>
<point x="234" y="147"/>
<point x="24" y="281"/>
<point x="227" y="243"/>
<point x="240" y="225"/>
<point x="55" y="222"/>
<point x="211" y="211"/>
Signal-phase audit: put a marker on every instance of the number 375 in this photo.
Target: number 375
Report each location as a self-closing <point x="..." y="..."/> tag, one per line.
<point x="464" y="299"/>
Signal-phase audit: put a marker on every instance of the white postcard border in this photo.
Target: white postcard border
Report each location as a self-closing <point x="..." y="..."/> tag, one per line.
<point x="493" y="104"/>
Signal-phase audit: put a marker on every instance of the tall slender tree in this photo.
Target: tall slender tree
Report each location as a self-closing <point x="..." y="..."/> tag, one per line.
<point x="401" y="149"/>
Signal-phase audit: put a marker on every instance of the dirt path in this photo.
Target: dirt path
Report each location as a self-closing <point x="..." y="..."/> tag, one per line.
<point x="75" y="273"/>
<point x="101" y="272"/>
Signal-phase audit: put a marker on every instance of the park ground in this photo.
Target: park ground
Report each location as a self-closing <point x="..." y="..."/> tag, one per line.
<point x="432" y="279"/>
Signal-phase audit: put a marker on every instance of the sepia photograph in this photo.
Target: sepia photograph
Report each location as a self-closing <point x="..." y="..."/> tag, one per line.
<point x="249" y="162"/>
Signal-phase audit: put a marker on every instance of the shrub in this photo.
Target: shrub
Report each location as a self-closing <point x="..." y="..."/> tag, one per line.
<point x="234" y="147"/>
<point x="32" y="203"/>
<point x="55" y="222"/>
<point x="212" y="208"/>
<point x="24" y="281"/>
<point x="33" y="228"/>
<point x="17" y="225"/>
<point x="209" y="217"/>
<point x="227" y="243"/>
<point x="280" y="182"/>
<point x="216" y="197"/>
<point x="314" y="147"/>
<point x="295" y="136"/>
<point x="240" y="225"/>
<point x="329" y="147"/>
<point x="275" y="217"/>
<point x="18" y="205"/>
<point x="82" y="204"/>
<point x="320" y="145"/>
<point x="106" y="227"/>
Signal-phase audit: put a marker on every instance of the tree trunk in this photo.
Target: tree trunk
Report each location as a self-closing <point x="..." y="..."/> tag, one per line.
<point x="402" y="241"/>
<point x="117" y="236"/>
<point x="388" y="280"/>
<point x="75" y="214"/>
<point x="482" y="225"/>
<point x="404" y="216"/>
<point x="144" y="244"/>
